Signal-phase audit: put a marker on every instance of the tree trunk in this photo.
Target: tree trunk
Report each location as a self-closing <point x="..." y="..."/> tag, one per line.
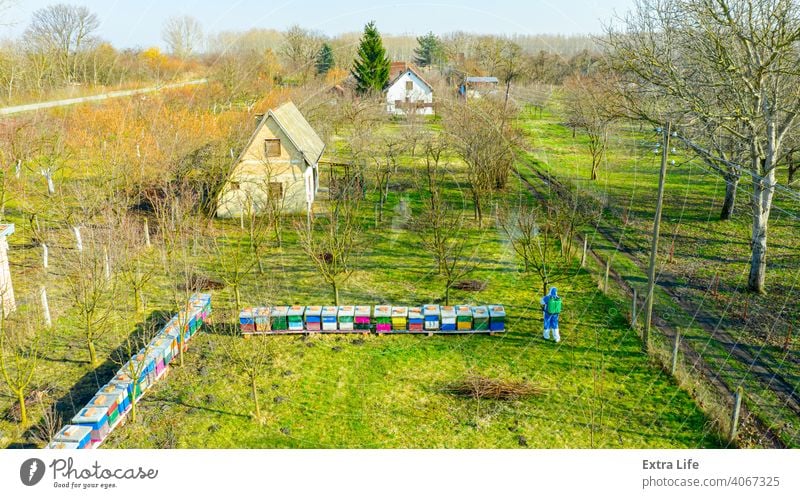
<point x="137" y="296"/>
<point x="23" y="412"/>
<point x="92" y="353"/>
<point x="731" y="184"/>
<point x="237" y="296"/>
<point x="335" y="292"/>
<point x="255" y="397"/>
<point x="763" y="190"/>
<point x="133" y="405"/>
<point x="447" y="294"/>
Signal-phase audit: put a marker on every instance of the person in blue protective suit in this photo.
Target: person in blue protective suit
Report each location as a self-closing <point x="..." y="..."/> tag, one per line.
<point x="551" y="306"/>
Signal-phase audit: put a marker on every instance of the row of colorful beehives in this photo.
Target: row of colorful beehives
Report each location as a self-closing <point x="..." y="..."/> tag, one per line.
<point x="112" y="403"/>
<point x="430" y="318"/>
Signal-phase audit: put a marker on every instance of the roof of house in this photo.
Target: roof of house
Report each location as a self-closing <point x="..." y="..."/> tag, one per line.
<point x="396" y="68"/>
<point x="481" y="79"/>
<point x="409" y="69"/>
<point x="301" y="134"/>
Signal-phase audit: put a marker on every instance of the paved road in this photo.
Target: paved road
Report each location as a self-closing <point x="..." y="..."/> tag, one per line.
<point x="103" y="96"/>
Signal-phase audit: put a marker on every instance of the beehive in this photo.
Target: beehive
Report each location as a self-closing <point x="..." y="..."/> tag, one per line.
<point x="313" y="318"/>
<point x="463" y="317"/>
<point x="497" y="318"/>
<point x="278" y="318"/>
<point x="480" y="318"/>
<point x="63" y="445"/>
<point x="124" y="380"/>
<point x="247" y="322"/>
<point x="448" y="318"/>
<point x="164" y="344"/>
<point x="362" y="317"/>
<point x="295" y="318"/>
<point x="120" y="393"/>
<point x="432" y="315"/>
<point x="383" y="318"/>
<point x="399" y="318"/>
<point x="77" y="435"/>
<point x="96" y="419"/>
<point x="107" y="403"/>
<point x="261" y="318"/>
<point x="157" y="357"/>
<point x="415" y="319"/>
<point x="329" y="315"/>
<point x="346" y="317"/>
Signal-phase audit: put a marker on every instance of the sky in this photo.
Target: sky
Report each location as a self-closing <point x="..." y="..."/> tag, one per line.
<point x="138" y="23"/>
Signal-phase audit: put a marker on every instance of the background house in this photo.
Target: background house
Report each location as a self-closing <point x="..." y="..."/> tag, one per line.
<point x="408" y="91"/>
<point x="278" y="164"/>
<point x="475" y="87"/>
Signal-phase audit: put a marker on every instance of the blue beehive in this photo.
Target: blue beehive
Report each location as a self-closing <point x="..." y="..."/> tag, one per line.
<point x="314" y="318"/>
<point x="497" y="318"/>
<point x="329" y="314"/>
<point x="96" y="419"/>
<point x="72" y="436"/>
<point x="120" y="393"/>
<point x="431" y="313"/>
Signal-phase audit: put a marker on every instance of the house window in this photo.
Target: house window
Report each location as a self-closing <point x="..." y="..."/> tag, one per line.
<point x="272" y="147"/>
<point x="275" y="190"/>
<point x="409" y="85"/>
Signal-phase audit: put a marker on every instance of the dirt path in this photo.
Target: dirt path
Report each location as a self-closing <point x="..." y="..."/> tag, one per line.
<point x="694" y="360"/>
<point x="5" y="111"/>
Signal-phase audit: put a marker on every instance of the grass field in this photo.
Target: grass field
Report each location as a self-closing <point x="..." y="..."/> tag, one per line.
<point x="703" y="248"/>
<point x="353" y="391"/>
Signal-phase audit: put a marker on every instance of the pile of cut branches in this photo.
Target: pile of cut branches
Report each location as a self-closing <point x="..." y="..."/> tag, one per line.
<point x="479" y="387"/>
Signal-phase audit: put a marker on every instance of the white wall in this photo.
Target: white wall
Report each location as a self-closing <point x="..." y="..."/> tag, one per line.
<point x="419" y="93"/>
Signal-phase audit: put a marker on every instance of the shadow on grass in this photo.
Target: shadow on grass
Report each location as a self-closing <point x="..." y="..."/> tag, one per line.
<point x="87" y="386"/>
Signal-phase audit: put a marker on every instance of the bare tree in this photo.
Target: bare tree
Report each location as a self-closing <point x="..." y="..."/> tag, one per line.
<point x="717" y="65"/>
<point x="476" y="132"/>
<point x="91" y="293"/>
<point x="445" y="236"/>
<point x="131" y="357"/>
<point x="133" y="262"/>
<point x="331" y="242"/>
<point x="299" y="48"/>
<point x="19" y="358"/>
<point x="64" y="31"/>
<point x="252" y="358"/>
<point x="234" y="260"/>
<point x="183" y="36"/>
<point x="541" y="236"/>
<point x="589" y="108"/>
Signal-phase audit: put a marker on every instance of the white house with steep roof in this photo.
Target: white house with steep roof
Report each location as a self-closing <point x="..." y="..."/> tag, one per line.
<point x="278" y="165"/>
<point x="408" y="92"/>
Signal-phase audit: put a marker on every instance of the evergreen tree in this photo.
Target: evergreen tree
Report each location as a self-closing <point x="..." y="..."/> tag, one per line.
<point x="371" y="67"/>
<point x="430" y="50"/>
<point x="324" y="59"/>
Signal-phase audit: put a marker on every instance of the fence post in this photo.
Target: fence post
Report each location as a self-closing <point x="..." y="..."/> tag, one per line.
<point x="583" y="255"/>
<point x="737" y="407"/>
<point x="675" y="347"/>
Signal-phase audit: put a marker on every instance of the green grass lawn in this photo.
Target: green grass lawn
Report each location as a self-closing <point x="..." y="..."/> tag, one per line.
<point x="704" y="247"/>
<point x="353" y="391"/>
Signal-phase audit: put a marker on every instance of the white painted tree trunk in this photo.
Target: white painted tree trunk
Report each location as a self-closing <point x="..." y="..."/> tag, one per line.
<point x="45" y="254"/>
<point x="78" y="240"/>
<point x="146" y="234"/>
<point x="45" y="307"/>
<point x="18" y="168"/>
<point x="106" y="264"/>
<point x="51" y="188"/>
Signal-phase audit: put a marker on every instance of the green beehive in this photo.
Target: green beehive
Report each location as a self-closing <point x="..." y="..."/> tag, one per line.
<point x="480" y="318"/>
<point x="383" y="318"/>
<point x="463" y="318"/>
<point x="279" y="318"/>
<point x="295" y="318"/>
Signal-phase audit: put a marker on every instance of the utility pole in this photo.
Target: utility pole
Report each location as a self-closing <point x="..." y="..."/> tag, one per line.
<point x="651" y="273"/>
